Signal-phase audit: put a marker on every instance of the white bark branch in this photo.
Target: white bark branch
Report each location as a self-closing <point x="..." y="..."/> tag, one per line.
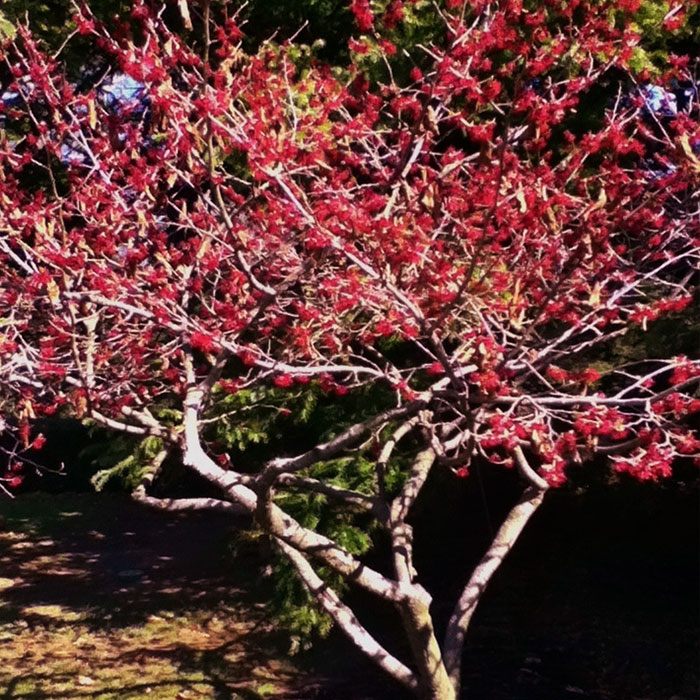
<point x="177" y="505"/>
<point x="345" y="619"/>
<point x="118" y="425"/>
<point x="340" y="442"/>
<point x="352" y="498"/>
<point x="388" y="450"/>
<point x="527" y="472"/>
<point x="462" y="614"/>
<point x="401" y="531"/>
<point x="279" y="523"/>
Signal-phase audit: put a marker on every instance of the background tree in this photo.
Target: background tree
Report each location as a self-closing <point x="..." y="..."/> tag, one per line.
<point x="436" y="251"/>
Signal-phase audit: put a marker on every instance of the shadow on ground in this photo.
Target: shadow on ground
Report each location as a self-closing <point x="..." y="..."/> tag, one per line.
<point x="102" y="598"/>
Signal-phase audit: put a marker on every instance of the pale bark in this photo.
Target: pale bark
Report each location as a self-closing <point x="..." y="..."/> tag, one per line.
<point x="343" y="616"/>
<point x="387" y="451"/>
<point x="438" y="671"/>
<point x="434" y="682"/>
<point x="279" y="523"/>
<point x="401" y="531"/>
<point x="462" y="614"/>
<point x="527" y="471"/>
<point x="285" y="528"/>
<point x="119" y="425"/>
<point x="177" y="505"/>
<point x="345" y="439"/>
<point x="352" y="498"/>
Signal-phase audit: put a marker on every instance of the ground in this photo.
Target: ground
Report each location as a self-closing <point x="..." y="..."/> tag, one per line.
<point x="103" y="599"/>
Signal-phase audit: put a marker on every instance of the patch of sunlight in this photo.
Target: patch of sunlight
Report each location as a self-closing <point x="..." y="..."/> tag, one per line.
<point x="64" y="658"/>
<point x="195" y="638"/>
<point x="103" y="674"/>
<point x="48" y="560"/>
<point x="277" y="666"/>
<point x="11" y="536"/>
<point x="8" y="582"/>
<point x="233" y="657"/>
<point x="53" y="612"/>
<point x="266" y="689"/>
<point x="26" y="526"/>
<point x="198" y="690"/>
<point x="55" y="565"/>
<point x="70" y="514"/>
<point x="156" y="619"/>
<point x="25" y="687"/>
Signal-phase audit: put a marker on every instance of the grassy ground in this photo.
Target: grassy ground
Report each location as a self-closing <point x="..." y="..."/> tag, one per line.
<point x="103" y="599"/>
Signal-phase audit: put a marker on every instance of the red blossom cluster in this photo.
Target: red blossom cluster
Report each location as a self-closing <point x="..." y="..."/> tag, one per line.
<point x="364" y="17"/>
<point x="393" y="14"/>
<point x="649" y="464"/>
<point x="455" y="245"/>
<point x="280" y="226"/>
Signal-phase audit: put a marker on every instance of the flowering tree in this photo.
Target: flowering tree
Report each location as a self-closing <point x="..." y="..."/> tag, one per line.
<point x="454" y="246"/>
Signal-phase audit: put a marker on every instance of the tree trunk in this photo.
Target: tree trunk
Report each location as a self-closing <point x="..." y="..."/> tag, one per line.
<point x="434" y="682"/>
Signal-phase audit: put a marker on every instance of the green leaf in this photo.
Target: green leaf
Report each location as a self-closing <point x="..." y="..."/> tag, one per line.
<point x="7" y="29"/>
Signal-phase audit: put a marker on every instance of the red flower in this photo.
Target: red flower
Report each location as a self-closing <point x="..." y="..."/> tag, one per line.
<point x="247" y="358"/>
<point x="557" y="374"/>
<point x="687" y="444"/>
<point x="361" y="47"/>
<point x="84" y="26"/>
<point x="683" y="371"/>
<point x="389" y="48"/>
<point x="384" y="328"/>
<point x="363" y="14"/>
<point x="39" y="442"/>
<point x="230" y="386"/>
<point x="629" y="5"/>
<point x="589" y="375"/>
<point x="393" y="14"/>
<point x="203" y="342"/>
<point x="283" y="381"/>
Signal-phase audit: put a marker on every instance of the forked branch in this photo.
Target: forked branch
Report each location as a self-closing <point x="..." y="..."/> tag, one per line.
<point x="345" y="619"/>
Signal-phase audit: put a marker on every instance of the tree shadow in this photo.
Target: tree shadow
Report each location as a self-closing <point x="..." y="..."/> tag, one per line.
<point x="76" y="569"/>
<point x="104" y="552"/>
<point x="598" y="600"/>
